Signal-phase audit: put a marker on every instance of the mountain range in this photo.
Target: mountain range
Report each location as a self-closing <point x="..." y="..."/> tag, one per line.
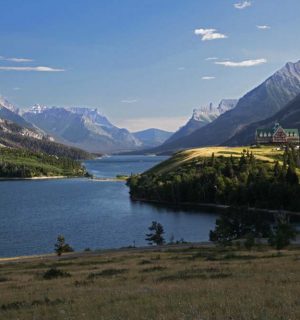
<point x="87" y="129"/>
<point x="232" y="122"/>
<point x="81" y="127"/>
<point x="259" y="104"/>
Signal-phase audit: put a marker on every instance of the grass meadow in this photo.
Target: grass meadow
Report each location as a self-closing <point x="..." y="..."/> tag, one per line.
<point x="188" y="282"/>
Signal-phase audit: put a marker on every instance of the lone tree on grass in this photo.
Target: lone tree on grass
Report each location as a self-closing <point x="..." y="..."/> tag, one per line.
<point x="156" y="234"/>
<point x="61" y="246"/>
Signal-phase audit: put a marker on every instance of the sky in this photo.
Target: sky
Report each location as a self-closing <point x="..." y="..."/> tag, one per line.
<point x="142" y="63"/>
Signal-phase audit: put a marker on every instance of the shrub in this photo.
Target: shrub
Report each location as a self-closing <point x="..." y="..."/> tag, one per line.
<point x="54" y="273"/>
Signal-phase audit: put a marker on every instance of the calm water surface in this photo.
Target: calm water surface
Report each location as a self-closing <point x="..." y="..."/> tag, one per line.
<point x="88" y="213"/>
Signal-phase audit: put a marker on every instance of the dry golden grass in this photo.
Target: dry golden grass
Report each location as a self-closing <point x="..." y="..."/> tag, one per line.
<point x="176" y="283"/>
<point x="265" y="153"/>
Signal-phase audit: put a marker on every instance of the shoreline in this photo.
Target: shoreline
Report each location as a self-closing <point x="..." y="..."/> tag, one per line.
<point x="214" y="206"/>
<point x="98" y="252"/>
<point x="99" y="179"/>
<point x="37" y="178"/>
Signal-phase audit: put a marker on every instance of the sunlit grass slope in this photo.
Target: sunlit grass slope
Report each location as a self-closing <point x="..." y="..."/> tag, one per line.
<point x="267" y="154"/>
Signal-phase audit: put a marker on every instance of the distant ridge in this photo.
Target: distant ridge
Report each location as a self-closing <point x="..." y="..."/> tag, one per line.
<point x="152" y="137"/>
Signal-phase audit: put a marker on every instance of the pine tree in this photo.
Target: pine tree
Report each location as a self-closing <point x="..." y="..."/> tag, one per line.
<point x="61" y="246"/>
<point x="291" y="176"/>
<point x="156" y="235"/>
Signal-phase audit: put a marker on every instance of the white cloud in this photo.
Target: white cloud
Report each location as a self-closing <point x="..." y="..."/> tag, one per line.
<point x="129" y="101"/>
<point x="208" y="78"/>
<point x="209" y="34"/>
<point x="242" y="5"/>
<point x="181" y="68"/>
<point x="211" y="58"/>
<point x="16" y="88"/>
<point x="245" y="63"/>
<point x="164" y="123"/>
<point x="36" y="69"/>
<point x="263" y="27"/>
<point x="15" y="59"/>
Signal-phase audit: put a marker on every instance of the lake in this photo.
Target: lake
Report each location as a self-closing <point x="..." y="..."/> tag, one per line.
<point x="90" y="214"/>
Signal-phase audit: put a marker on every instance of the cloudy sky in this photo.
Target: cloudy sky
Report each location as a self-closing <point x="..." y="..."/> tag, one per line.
<point x="143" y="63"/>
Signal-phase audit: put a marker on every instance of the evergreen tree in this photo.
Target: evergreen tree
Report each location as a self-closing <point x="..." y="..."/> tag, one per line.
<point x="61" y="246"/>
<point x="291" y="176"/>
<point x="156" y="234"/>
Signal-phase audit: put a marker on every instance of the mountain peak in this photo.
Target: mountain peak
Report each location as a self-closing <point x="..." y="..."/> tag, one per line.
<point x="6" y="104"/>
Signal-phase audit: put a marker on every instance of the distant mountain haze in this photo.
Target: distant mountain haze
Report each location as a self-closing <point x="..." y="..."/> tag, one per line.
<point x="152" y="137"/>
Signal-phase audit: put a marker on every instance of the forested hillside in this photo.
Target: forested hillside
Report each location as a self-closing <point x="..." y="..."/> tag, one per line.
<point x="14" y="136"/>
<point x="242" y="180"/>
<point x="22" y="163"/>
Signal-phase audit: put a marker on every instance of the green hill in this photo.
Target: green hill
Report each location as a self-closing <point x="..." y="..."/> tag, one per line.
<point x="22" y="163"/>
<point x="263" y="178"/>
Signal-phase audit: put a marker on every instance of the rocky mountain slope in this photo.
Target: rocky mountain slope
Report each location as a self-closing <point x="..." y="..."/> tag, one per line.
<point x="201" y="117"/>
<point x="259" y="104"/>
<point x="9" y="112"/>
<point x="14" y="136"/>
<point x="288" y="117"/>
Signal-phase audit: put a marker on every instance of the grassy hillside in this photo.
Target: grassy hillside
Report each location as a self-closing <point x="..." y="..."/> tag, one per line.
<point x="207" y="283"/>
<point x="21" y="163"/>
<point x="267" y="153"/>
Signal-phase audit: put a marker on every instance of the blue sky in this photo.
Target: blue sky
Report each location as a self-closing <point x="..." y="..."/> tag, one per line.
<point x="143" y="63"/>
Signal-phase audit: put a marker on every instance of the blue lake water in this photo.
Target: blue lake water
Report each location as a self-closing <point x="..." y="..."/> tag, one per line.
<point x="90" y="214"/>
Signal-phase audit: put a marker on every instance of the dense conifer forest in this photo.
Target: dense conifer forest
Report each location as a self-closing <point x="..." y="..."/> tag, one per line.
<point x="236" y="181"/>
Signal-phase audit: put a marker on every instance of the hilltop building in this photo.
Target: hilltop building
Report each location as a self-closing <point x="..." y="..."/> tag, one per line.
<point x="277" y="135"/>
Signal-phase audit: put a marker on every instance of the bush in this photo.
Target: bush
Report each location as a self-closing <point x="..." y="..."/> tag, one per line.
<point x="54" y="273"/>
<point x="282" y="234"/>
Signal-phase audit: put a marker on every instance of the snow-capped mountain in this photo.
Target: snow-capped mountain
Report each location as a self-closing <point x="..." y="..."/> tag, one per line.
<point x="226" y="105"/>
<point x="81" y="127"/>
<point x="5" y="103"/>
<point x="203" y="116"/>
<point x="11" y="113"/>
